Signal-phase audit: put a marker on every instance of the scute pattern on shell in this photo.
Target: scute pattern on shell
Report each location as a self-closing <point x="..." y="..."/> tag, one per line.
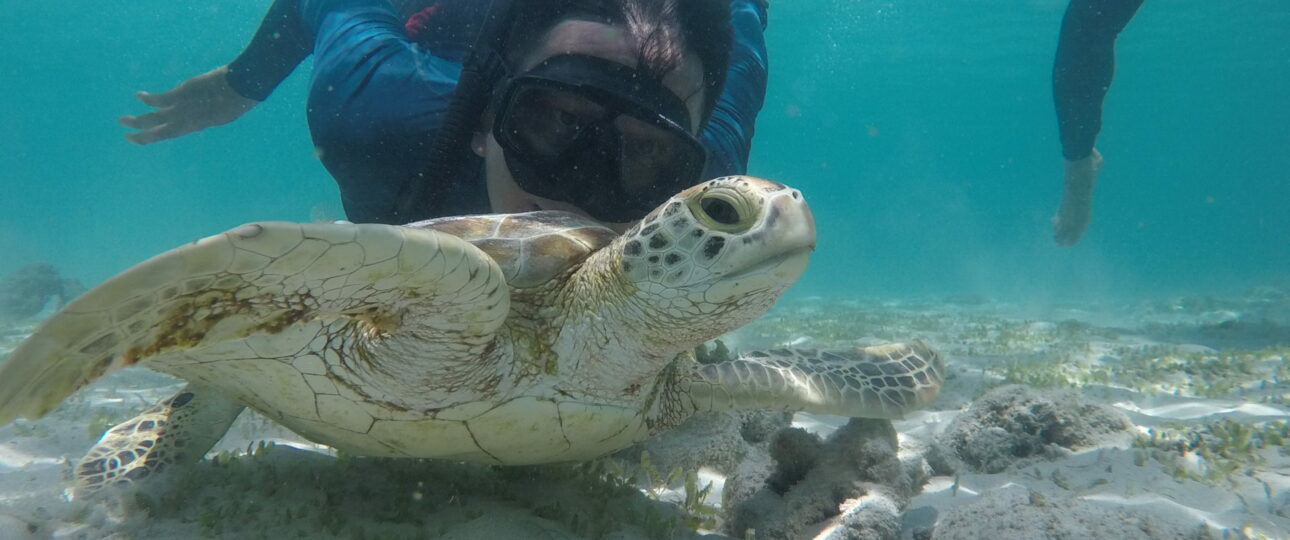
<point x="531" y="248"/>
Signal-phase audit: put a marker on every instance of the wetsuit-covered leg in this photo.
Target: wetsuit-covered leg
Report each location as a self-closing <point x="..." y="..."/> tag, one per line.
<point x="1083" y="68"/>
<point x="1081" y="77"/>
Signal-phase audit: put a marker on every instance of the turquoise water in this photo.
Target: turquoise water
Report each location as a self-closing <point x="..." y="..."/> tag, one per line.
<point x="921" y="132"/>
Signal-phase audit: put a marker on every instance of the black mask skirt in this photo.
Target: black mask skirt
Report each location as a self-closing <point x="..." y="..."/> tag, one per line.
<point x="597" y="134"/>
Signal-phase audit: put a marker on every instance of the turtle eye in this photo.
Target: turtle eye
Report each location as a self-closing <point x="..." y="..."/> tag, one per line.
<point x="725" y="208"/>
<point x="720" y="210"/>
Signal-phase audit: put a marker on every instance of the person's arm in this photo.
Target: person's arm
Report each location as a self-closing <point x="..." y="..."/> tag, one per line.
<point x="283" y="40"/>
<point x="278" y="46"/>
<point x="729" y="131"/>
<point x="224" y="94"/>
<point x="286" y="36"/>
<point x="1082" y="73"/>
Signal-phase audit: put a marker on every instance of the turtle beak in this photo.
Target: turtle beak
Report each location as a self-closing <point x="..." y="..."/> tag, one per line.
<point x="783" y="237"/>
<point x="772" y="253"/>
<point x="790" y="231"/>
<point x="798" y="230"/>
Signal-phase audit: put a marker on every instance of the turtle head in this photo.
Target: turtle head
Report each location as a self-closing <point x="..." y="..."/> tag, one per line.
<point x="717" y="255"/>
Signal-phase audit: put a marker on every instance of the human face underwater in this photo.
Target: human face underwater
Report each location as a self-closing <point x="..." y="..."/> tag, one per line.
<point x="580" y="105"/>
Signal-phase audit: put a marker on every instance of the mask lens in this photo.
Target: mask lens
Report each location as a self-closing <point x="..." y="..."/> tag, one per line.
<point x="655" y="162"/>
<point x="584" y="138"/>
<point x="545" y="123"/>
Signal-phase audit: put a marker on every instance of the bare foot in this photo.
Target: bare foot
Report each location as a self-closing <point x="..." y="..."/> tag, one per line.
<point x="1077" y="199"/>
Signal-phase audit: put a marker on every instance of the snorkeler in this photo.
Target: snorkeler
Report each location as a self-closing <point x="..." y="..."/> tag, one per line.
<point x="601" y="107"/>
<point x="1081" y="76"/>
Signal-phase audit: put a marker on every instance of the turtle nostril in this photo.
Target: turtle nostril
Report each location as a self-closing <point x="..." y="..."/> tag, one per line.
<point x="720" y="210"/>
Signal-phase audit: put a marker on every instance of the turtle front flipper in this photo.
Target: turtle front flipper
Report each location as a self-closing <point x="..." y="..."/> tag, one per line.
<point x="884" y="381"/>
<point x="177" y="431"/>
<point x="264" y="291"/>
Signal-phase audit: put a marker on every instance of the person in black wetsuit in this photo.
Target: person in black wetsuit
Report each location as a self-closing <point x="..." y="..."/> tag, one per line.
<point x="1081" y="76"/>
<point x="605" y="107"/>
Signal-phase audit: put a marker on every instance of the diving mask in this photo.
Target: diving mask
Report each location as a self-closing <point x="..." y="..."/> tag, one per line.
<point x="597" y="134"/>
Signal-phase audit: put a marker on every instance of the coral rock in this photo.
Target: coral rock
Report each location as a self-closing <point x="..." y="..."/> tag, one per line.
<point x="1015" y="423"/>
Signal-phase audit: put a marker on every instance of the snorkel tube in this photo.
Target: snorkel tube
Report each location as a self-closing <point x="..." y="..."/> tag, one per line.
<point x="484" y="65"/>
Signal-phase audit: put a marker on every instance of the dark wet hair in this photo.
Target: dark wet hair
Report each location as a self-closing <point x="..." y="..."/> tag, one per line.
<point x="664" y="32"/>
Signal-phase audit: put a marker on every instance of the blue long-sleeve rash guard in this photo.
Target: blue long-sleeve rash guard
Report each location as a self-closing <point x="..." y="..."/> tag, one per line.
<point x="377" y="98"/>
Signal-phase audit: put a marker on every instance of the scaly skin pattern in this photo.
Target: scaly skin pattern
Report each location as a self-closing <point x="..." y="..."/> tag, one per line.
<point x="508" y="339"/>
<point x="883" y="381"/>
<point x="180" y="429"/>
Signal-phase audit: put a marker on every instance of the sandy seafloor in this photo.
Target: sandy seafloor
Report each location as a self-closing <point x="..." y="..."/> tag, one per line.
<point x="1204" y="381"/>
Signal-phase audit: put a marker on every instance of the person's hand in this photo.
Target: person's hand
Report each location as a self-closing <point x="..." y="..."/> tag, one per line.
<point x="196" y="104"/>
<point x="1077" y="199"/>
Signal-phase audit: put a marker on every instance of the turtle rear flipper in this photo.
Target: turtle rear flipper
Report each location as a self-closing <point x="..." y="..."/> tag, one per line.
<point x="177" y="431"/>
<point x="884" y="381"/>
<point x="262" y="281"/>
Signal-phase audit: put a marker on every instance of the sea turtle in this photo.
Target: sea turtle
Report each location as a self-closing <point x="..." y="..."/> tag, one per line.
<point x="501" y="339"/>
